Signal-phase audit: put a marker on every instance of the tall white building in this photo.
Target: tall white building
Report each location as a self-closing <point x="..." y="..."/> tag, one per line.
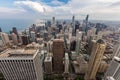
<point x="93" y="31"/>
<point x="32" y="36"/>
<point x="70" y="33"/>
<point x="66" y="62"/>
<point x="78" y="41"/>
<point x="4" y="39"/>
<point x="14" y="38"/>
<point x="91" y="34"/>
<point x="21" y="64"/>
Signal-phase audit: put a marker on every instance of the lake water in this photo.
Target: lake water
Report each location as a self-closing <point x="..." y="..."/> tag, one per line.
<point x="7" y="24"/>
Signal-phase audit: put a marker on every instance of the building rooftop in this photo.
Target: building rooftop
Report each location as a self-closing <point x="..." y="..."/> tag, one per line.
<point x="58" y="40"/>
<point x="100" y="41"/>
<point x="18" y="53"/>
<point x="48" y="59"/>
<point x="117" y="58"/>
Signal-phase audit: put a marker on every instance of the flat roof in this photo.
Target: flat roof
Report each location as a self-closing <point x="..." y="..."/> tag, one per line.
<point x="58" y="40"/>
<point x="18" y="53"/>
<point x="48" y="59"/>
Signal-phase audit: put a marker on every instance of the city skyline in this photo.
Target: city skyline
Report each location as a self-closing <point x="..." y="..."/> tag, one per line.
<point x="59" y="40"/>
<point x="75" y="50"/>
<point x="45" y="9"/>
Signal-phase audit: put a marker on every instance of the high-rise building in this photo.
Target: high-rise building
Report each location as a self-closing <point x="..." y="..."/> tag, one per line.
<point x="14" y="38"/>
<point x="1" y="41"/>
<point x="113" y="72"/>
<point x="15" y="31"/>
<point x="49" y="46"/>
<point x="48" y="23"/>
<point x="95" y="59"/>
<point x="67" y="64"/>
<point x="89" y="32"/>
<point x="21" y="64"/>
<point x="87" y="17"/>
<point x="48" y="65"/>
<point x="32" y="34"/>
<point x="20" y="39"/>
<point x="0" y="29"/>
<point x="80" y="65"/>
<point x="86" y="23"/>
<point x="103" y="67"/>
<point x="73" y="45"/>
<point x="78" y="41"/>
<point x="93" y="31"/>
<point x="25" y="39"/>
<point x="91" y="44"/>
<point x="73" y="24"/>
<point x="53" y="20"/>
<point x="70" y="33"/>
<point x="116" y="51"/>
<point x="77" y="25"/>
<point x="58" y="55"/>
<point x="4" y="39"/>
<point x="99" y="35"/>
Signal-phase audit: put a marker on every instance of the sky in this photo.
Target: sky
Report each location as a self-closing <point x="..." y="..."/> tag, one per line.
<point x="61" y="9"/>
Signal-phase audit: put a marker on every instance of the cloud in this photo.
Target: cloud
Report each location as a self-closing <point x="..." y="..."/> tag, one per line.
<point x="11" y="10"/>
<point x="6" y="13"/>
<point x="33" y="5"/>
<point x="98" y="9"/>
<point x="116" y="4"/>
<point x="57" y="3"/>
<point x="108" y="1"/>
<point x="43" y="8"/>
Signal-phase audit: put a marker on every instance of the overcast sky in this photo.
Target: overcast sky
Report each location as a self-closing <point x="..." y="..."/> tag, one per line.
<point x="61" y="9"/>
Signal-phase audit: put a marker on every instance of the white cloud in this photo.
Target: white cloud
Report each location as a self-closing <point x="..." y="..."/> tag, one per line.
<point x="57" y="3"/>
<point x="11" y="10"/>
<point x="34" y="5"/>
<point x="108" y="1"/>
<point x="6" y="13"/>
<point x="98" y="9"/>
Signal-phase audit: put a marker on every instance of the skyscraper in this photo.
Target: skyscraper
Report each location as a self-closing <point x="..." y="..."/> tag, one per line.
<point x="78" y="41"/>
<point x="53" y="20"/>
<point x="48" y="65"/>
<point x="0" y="29"/>
<point x="87" y="17"/>
<point x="14" y="38"/>
<point x="73" y="24"/>
<point x="70" y="33"/>
<point x="113" y="71"/>
<point x="95" y="59"/>
<point x="91" y="44"/>
<point x="116" y="51"/>
<point x="58" y="55"/>
<point x="67" y="64"/>
<point x="86" y="23"/>
<point x="25" y="39"/>
<point x="32" y="34"/>
<point x="21" y="64"/>
<point x="15" y="31"/>
<point x="4" y="39"/>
